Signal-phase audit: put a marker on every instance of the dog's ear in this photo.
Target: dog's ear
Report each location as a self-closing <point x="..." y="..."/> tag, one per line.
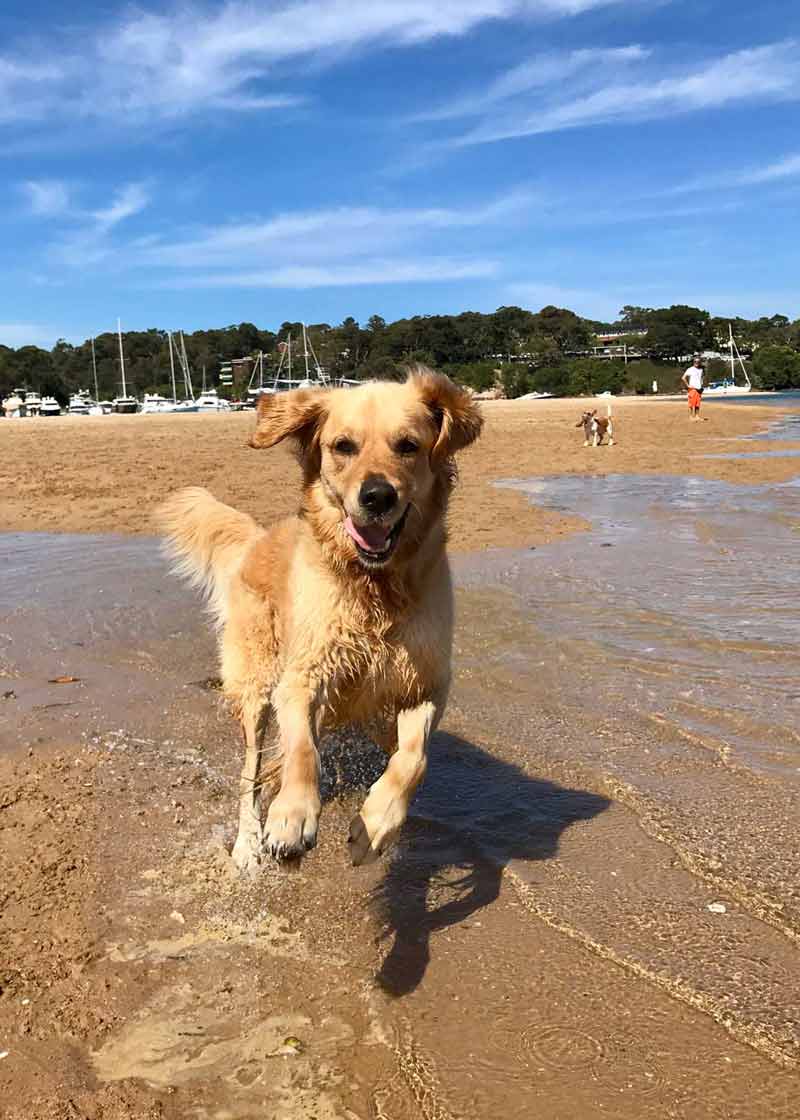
<point x="297" y="414"/>
<point x="457" y="417"/>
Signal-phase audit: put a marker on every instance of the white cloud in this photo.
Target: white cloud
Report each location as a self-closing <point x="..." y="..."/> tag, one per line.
<point x="126" y="202"/>
<point x="536" y="73"/>
<point x="300" y="249"/>
<point x="321" y="235"/>
<point x="89" y="238"/>
<point x="163" y="65"/>
<point x="633" y="86"/>
<point x="788" y="167"/>
<point x="46" y="197"/>
<point x="332" y="275"/>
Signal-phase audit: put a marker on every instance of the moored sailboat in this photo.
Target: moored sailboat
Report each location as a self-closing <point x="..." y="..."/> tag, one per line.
<point x="728" y="387"/>
<point x="123" y="403"/>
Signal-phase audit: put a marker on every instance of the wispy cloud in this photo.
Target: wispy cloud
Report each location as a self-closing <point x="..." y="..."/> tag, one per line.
<point x="788" y="167"/>
<point x="339" y="275"/>
<point x="328" y="234"/>
<point x="149" y="65"/>
<point x="301" y="249"/>
<point x="125" y="203"/>
<point x="534" y="98"/>
<point x="535" y="74"/>
<point x="85" y="236"/>
<point x="46" y="197"/>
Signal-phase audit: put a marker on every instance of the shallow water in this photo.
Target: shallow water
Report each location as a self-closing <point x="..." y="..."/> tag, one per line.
<point x="787" y="398"/>
<point x="691" y="589"/>
<point x="619" y="753"/>
<point x="786" y="453"/>
<point x="786" y="428"/>
<point x="99" y="608"/>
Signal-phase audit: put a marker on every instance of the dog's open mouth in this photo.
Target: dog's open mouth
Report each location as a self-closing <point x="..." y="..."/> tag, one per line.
<point x="375" y="543"/>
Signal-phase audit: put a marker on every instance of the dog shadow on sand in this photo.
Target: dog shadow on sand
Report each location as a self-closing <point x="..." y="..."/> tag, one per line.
<point x="474" y="814"/>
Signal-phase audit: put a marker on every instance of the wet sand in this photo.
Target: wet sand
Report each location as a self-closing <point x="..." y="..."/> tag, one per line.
<point x="106" y="474"/>
<point x="593" y="910"/>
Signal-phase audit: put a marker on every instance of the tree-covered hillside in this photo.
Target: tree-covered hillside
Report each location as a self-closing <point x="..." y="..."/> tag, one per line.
<point x="551" y="350"/>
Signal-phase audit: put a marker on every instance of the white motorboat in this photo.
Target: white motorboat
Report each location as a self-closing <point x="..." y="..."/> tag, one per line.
<point x="211" y="402"/>
<point x="12" y="406"/>
<point x="154" y="402"/>
<point x="125" y="404"/>
<point x="728" y="387"/>
<point x="80" y="403"/>
<point x="49" y="407"/>
<point x="33" y="403"/>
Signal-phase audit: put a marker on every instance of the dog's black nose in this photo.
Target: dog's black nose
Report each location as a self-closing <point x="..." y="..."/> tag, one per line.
<point x="377" y="495"/>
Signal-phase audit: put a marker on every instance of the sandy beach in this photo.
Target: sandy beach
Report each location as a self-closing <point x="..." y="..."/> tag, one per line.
<point x="106" y="475"/>
<point x="594" y="910"/>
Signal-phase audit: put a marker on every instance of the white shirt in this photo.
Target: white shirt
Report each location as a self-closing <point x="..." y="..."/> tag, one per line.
<point x="694" y="375"/>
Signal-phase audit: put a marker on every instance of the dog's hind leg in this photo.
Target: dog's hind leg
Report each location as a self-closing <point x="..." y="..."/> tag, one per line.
<point x="383" y="813"/>
<point x="249" y="844"/>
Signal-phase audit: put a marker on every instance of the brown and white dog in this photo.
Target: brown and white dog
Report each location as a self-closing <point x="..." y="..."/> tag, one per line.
<point x="596" y="427"/>
<point x="341" y="614"/>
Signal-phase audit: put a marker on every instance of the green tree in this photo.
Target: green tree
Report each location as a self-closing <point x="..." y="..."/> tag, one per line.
<point x="777" y="367"/>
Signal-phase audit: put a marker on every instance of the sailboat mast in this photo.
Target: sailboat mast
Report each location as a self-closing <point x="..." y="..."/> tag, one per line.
<point x="172" y="368"/>
<point x="187" y="375"/>
<point x="305" y="349"/>
<point x="121" y="358"/>
<point x="730" y="337"/>
<point x="319" y="373"/>
<point x="94" y="371"/>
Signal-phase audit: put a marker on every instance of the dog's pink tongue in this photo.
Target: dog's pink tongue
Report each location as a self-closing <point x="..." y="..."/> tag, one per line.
<point x="371" y="537"/>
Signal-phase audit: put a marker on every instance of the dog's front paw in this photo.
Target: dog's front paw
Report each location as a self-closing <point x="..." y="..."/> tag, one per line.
<point x="376" y="827"/>
<point x="291" y="826"/>
<point x="247" y="851"/>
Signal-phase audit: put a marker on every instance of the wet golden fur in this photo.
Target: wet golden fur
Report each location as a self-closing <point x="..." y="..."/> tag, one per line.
<point x="312" y="636"/>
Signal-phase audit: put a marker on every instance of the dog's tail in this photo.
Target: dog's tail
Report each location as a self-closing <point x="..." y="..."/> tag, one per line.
<point x="207" y="541"/>
<point x="608" y="410"/>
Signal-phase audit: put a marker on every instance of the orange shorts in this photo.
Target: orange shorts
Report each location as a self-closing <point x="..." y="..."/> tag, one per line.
<point x="694" y="398"/>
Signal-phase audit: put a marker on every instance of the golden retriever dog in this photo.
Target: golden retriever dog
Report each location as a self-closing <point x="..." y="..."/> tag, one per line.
<point x="341" y="614"/>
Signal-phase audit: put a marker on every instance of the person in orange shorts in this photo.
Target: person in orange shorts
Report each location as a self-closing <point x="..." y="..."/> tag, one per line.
<point x="693" y="380"/>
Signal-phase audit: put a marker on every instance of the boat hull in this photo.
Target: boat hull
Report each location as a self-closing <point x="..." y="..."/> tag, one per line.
<point x="727" y="391"/>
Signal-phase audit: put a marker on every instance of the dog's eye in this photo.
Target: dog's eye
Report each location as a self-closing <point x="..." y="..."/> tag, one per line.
<point x="407" y="447"/>
<point x="344" y="446"/>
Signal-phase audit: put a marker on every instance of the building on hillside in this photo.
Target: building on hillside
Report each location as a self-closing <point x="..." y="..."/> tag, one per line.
<point x="235" y="374"/>
<point x="614" y="344"/>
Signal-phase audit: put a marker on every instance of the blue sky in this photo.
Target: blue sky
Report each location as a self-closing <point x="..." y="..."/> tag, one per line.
<point x="202" y="164"/>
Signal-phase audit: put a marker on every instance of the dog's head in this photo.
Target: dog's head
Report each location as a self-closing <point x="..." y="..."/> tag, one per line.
<point x="375" y="457"/>
<point x="586" y="418"/>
